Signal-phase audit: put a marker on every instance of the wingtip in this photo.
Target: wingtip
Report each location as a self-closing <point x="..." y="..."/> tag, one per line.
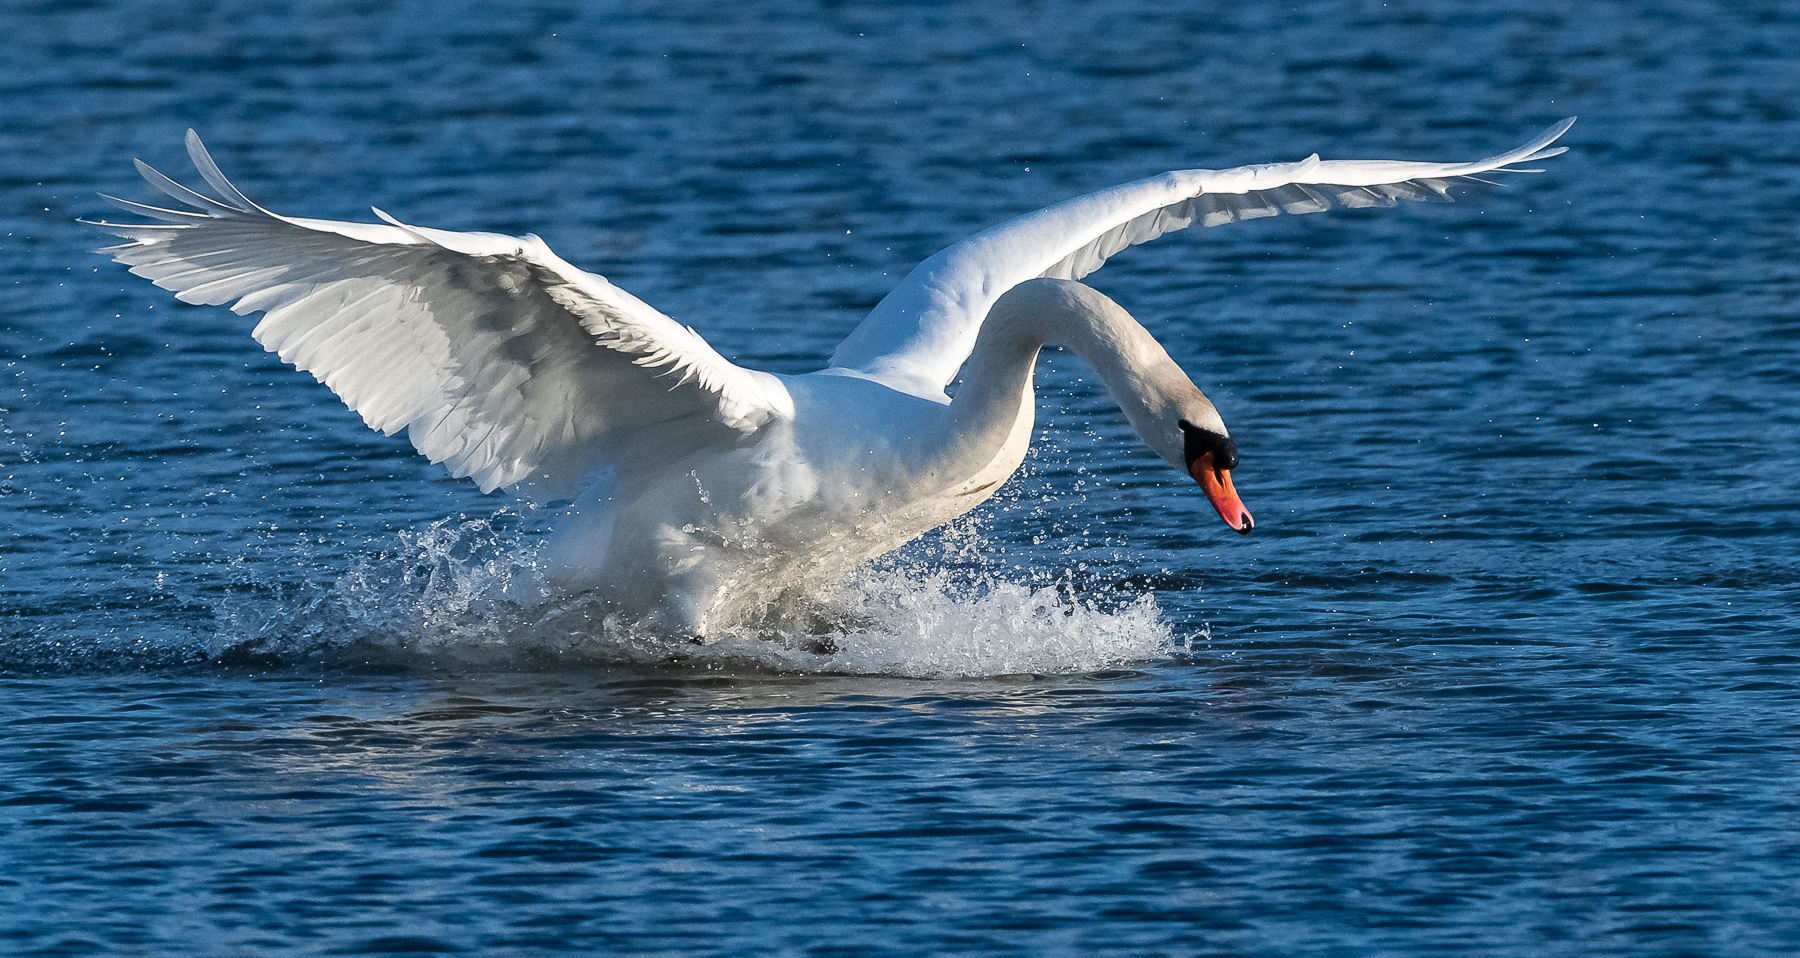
<point x="196" y="151"/>
<point x="169" y="187"/>
<point x="1551" y="134"/>
<point x="108" y="197"/>
<point x="1540" y="147"/>
<point x="1537" y="148"/>
<point x="209" y="171"/>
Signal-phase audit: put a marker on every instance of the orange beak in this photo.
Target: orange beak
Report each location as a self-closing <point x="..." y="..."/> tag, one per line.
<point x="1216" y="483"/>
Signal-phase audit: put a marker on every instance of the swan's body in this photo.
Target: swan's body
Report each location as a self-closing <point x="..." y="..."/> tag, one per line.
<point x="703" y="492"/>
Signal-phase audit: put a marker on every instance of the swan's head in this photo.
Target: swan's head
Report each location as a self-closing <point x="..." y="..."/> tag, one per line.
<point x="1210" y="456"/>
<point x="1180" y="424"/>
<point x="1174" y="418"/>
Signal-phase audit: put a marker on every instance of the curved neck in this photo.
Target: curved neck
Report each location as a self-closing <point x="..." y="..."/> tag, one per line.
<point x="1152" y="391"/>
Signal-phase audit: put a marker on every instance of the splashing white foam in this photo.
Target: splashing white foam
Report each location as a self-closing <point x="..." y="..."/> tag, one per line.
<point x="472" y="594"/>
<point x="926" y="623"/>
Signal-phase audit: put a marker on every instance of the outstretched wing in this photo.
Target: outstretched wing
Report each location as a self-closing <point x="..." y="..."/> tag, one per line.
<point x="499" y="359"/>
<point x="918" y="337"/>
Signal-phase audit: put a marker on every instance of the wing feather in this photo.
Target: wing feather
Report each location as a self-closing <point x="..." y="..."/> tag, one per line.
<point x="918" y="337"/>
<point x="503" y="362"/>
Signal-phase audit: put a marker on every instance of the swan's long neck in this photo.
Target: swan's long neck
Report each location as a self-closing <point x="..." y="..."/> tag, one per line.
<point x="995" y="397"/>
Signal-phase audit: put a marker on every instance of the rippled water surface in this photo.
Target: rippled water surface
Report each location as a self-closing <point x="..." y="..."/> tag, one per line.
<point x="1508" y="666"/>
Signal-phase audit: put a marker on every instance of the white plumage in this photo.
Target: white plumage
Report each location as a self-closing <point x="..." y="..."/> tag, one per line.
<point x="709" y="492"/>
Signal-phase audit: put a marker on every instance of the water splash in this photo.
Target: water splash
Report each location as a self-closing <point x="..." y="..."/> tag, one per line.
<point x="473" y="594"/>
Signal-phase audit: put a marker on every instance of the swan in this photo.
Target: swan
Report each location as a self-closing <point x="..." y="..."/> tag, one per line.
<point x="699" y="495"/>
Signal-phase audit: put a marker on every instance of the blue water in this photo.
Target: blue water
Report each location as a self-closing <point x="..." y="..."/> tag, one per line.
<point x="1509" y="667"/>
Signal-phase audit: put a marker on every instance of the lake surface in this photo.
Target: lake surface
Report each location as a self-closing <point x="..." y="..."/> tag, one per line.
<point x="1510" y="665"/>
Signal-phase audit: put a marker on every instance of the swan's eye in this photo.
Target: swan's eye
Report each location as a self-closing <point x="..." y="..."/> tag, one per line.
<point x="1197" y="442"/>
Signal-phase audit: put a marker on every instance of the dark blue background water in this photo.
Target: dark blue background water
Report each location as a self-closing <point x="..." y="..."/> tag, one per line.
<point x="1507" y="668"/>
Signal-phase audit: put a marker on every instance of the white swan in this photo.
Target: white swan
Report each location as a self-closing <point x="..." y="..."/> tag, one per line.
<point x="704" y="492"/>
